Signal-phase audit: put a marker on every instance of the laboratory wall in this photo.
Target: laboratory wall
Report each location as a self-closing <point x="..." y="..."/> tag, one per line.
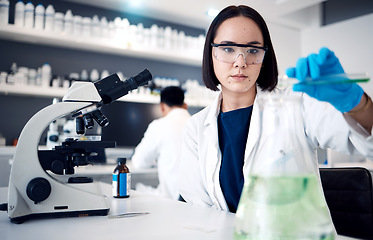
<point x="351" y="40"/>
<point x="286" y="43"/>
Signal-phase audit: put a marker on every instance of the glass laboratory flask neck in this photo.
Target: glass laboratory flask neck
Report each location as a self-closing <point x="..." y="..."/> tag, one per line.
<point x="282" y="197"/>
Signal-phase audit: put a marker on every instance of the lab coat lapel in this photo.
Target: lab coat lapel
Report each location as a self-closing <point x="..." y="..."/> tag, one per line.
<point x="252" y="138"/>
<point x="211" y="135"/>
<point x="213" y="155"/>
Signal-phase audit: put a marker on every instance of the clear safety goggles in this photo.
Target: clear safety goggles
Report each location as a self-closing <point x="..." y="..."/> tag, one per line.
<point x="229" y="52"/>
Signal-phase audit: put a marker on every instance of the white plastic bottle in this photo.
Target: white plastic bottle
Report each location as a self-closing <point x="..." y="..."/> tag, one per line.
<point x="168" y="38"/>
<point x="154" y="36"/>
<point x="4" y="12"/>
<point x="68" y="24"/>
<point x="29" y="15"/>
<point x="146" y="38"/>
<point x="95" y="29"/>
<point x="3" y="76"/>
<point x="118" y="29"/>
<point x="94" y="76"/>
<point x="58" y="22"/>
<point x="31" y="78"/>
<point x="86" y="27"/>
<point x="104" y="74"/>
<point x="182" y="41"/>
<point x="39" y="17"/>
<point x="46" y="75"/>
<point x="104" y="28"/>
<point x="77" y="25"/>
<point x="125" y="32"/>
<point x="21" y="76"/>
<point x="132" y="35"/>
<point x="140" y="34"/>
<point x="84" y="75"/>
<point x="160" y="38"/>
<point x="19" y="14"/>
<point x="175" y="40"/>
<point x="49" y="18"/>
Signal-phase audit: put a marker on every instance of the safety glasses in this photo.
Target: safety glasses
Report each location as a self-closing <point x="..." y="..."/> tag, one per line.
<point x="229" y="52"/>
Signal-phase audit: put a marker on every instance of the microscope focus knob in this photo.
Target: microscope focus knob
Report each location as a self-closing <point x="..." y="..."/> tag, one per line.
<point x="38" y="189"/>
<point x="57" y="167"/>
<point x="53" y="138"/>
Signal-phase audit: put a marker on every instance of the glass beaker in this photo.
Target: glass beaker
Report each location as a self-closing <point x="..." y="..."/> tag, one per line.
<point x="282" y="197"/>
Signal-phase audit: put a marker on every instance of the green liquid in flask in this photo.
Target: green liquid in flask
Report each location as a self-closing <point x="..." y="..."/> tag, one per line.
<point x="283" y="208"/>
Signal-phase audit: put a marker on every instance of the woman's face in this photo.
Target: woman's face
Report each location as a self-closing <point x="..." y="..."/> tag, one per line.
<point x="238" y="77"/>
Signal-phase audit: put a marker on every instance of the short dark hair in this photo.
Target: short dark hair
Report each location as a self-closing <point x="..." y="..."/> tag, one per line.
<point x="172" y="96"/>
<point x="267" y="79"/>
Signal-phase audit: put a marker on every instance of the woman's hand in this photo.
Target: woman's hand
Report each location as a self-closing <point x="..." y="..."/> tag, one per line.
<point x="343" y="96"/>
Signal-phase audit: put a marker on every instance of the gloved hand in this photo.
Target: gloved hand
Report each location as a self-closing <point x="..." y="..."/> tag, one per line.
<point x="343" y="96"/>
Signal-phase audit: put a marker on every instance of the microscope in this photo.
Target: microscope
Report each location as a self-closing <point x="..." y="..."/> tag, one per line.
<point x="35" y="190"/>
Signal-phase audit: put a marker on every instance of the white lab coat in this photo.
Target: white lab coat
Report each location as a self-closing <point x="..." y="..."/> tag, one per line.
<point x="199" y="184"/>
<point x="161" y="147"/>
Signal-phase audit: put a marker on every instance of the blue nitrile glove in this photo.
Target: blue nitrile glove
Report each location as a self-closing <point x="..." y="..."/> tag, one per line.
<point x="343" y="96"/>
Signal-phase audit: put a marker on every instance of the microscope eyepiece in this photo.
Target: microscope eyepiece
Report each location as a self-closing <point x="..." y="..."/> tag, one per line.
<point x="111" y="88"/>
<point x="140" y="79"/>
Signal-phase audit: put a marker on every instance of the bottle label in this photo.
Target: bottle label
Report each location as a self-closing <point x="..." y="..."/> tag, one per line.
<point x="121" y="184"/>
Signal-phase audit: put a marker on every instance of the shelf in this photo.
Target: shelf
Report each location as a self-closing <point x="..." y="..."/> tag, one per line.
<point x="20" y="34"/>
<point x="24" y="35"/>
<point x="60" y="92"/>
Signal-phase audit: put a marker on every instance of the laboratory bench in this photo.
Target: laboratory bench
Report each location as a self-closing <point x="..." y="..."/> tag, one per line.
<point x="165" y="219"/>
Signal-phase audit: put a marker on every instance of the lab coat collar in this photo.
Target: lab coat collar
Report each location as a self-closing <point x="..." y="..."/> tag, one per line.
<point x="214" y="110"/>
<point x="176" y="111"/>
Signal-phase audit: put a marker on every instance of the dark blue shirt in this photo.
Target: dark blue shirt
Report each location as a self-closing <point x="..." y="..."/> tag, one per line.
<point x="233" y="129"/>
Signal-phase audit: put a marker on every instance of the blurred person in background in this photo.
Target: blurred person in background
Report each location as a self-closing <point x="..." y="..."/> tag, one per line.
<point x="161" y="145"/>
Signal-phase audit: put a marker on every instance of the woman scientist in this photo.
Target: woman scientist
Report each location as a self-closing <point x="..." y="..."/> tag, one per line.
<point x="218" y="141"/>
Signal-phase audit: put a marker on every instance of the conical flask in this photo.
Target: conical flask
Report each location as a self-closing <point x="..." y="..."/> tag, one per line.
<point x="282" y="198"/>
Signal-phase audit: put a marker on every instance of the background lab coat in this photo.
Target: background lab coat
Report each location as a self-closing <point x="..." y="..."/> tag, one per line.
<point x="161" y="146"/>
<point x="325" y="127"/>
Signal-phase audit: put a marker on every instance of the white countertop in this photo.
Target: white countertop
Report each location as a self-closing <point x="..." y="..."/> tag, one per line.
<point x="167" y="219"/>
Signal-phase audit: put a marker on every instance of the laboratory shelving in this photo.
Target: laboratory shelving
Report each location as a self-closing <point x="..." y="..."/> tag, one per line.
<point x="38" y="91"/>
<point x="100" y="45"/>
<point x="60" y="92"/>
<point x="38" y="37"/>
